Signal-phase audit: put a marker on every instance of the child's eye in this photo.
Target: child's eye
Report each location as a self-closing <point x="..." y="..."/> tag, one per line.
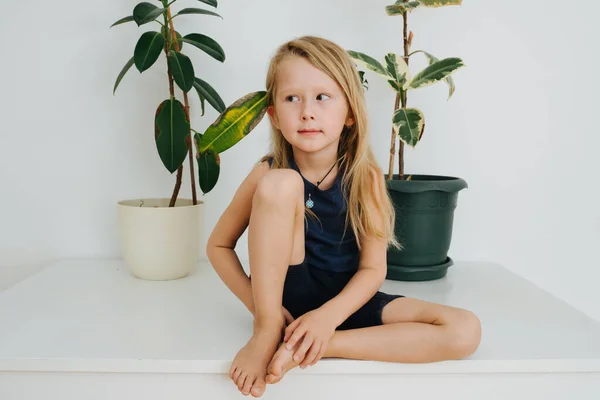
<point x="323" y="96"/>
<point x="291" y="98"/>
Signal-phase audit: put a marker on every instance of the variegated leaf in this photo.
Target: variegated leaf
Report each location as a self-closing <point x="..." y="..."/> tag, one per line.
<point x="436" y="72"/>
<point x="235" y="123"/>
<point x="397" y="69"/>
<point x="432" y="59"/>
<point x="363" y="81"/>
<point x="440" y="3"/>
<point x="408" y="123"/>
<point x="369" y="63"/>
<point x="400" y="8"/>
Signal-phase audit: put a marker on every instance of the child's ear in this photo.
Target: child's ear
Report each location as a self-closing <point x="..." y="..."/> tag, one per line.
<point x="273" y="116"/>
<point x="349" y="121"/>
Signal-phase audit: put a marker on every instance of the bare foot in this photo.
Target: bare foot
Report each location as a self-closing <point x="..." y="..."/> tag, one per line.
<point x="249" y="368"/>
<point x="281" y="363"/>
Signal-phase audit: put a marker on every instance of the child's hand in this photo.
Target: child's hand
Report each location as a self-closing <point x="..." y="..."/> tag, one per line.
<point x="316" y="329"/>
<point x="286" y="314"/>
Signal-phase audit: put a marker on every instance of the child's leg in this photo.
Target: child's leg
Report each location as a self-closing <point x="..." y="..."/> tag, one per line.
<point x="413" y="331"/>
<point x="275" y="240"/>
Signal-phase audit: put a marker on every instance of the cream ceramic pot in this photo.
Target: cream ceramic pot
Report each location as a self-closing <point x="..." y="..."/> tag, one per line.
<point x="159" y="242"/>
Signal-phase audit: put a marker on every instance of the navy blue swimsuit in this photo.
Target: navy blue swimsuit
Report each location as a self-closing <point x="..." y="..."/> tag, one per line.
<point x="328" y="245"/>
<point x="331" y="259"/>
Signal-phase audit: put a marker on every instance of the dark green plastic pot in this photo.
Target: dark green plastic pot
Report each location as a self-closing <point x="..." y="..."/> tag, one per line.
<point x="424" y="218"/>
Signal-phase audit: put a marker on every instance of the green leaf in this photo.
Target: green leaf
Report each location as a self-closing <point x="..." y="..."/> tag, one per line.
<point x="171" y="131"/>
<point x="123" y="72"/>
<point x="432" y="59"/>
<point x="202" y="102"/>
<point x="396" y="86"/>
<point x="436" y="72"/>
<point x="147" y="50"/>
<point x="163" y="30"/>
<point x="369" y="63"/>
<point x="196" y="11"/>
<point x="363" y="81"/>
<point x="235" y="123"/>
<point x="123" y="20"/>
<point x="409" y="124"/>
<point x="210" y="2"/>
<point x="397" y="69"/>
<point x="400" y="8"/>
<point x="209" y="167"/>
<point x="205" y="91"/>
<point x="439" y="3"/>
<point x="206" y="44"/>
<point x="146" y="12"/>
<point x="182" y="70"/>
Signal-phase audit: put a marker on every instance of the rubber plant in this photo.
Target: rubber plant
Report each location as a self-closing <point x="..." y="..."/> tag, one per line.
<point x="173" y="131"/>
<point x="408" y="124"/>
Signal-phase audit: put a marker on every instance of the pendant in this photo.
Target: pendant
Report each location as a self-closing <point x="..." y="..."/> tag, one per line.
<point x="309" y="202"/>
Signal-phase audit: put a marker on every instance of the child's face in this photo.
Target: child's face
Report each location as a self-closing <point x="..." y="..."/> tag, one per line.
<point x="309" y="107"/>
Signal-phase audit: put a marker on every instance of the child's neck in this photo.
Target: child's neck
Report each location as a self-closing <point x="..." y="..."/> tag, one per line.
<point x="314" y="167"/>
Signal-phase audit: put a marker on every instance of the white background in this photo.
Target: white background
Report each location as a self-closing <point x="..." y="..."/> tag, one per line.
<point x="520" y="128"/>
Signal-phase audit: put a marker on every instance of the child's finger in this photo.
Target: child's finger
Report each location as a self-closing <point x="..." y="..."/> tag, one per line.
<point x="301" y="352"/>
<point x="320" y="355"/>
<point x="311" y="356"/>
<point x="296" y="336"/>
<point x="290" y="329"/>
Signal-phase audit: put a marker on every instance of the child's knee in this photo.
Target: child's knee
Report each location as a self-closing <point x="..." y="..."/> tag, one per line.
<point x="279" y="185"/>
<point x="467" y="331"/>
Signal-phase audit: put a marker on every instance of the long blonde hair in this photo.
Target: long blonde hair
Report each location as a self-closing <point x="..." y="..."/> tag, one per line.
<point x="354" y="147"/>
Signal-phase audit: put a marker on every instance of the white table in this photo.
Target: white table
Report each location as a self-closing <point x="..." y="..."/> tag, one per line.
<point x="93" y="316"/>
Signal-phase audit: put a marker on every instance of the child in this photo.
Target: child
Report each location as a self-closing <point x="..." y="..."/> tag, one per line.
<point x="321" y="275"/>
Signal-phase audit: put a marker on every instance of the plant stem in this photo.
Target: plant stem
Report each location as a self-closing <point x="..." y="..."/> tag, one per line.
<point x="401" y="147"/>
<point x="393" y="144"/>
<point x="190" y="140"/>
<point x="172" y="95"/>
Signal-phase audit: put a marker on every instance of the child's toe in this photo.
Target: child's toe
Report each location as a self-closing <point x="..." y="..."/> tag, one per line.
<point x="240" y="381"/>
<point x="258" y="388"/>
<point x="247" y="385"/>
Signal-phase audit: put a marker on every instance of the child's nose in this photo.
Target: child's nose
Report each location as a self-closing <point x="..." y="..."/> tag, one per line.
<point x="307" y="112"/>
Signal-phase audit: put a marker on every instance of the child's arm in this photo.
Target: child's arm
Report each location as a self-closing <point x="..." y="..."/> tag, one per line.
<point x="371" y="270"/>
<point x="220" y="248"/>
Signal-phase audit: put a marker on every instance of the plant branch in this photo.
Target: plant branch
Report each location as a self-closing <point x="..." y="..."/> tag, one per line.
<point x="187" y="115"/>
<point x="172" y="95"/>
<point x="393" y="144"/>
<point x="403" y="97"/>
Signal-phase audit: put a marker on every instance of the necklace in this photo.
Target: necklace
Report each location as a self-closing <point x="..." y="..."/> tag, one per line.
<point x="310" y="203"/>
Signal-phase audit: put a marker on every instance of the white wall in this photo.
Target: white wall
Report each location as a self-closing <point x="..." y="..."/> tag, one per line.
<point x="520" y="127"/>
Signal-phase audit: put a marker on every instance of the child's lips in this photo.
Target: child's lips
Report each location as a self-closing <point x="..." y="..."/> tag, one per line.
<point x="309" y="131"/>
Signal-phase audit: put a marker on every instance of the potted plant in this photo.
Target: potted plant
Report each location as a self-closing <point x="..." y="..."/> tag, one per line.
<point x="424" y="204"/>
<point x="160" y="237"/>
